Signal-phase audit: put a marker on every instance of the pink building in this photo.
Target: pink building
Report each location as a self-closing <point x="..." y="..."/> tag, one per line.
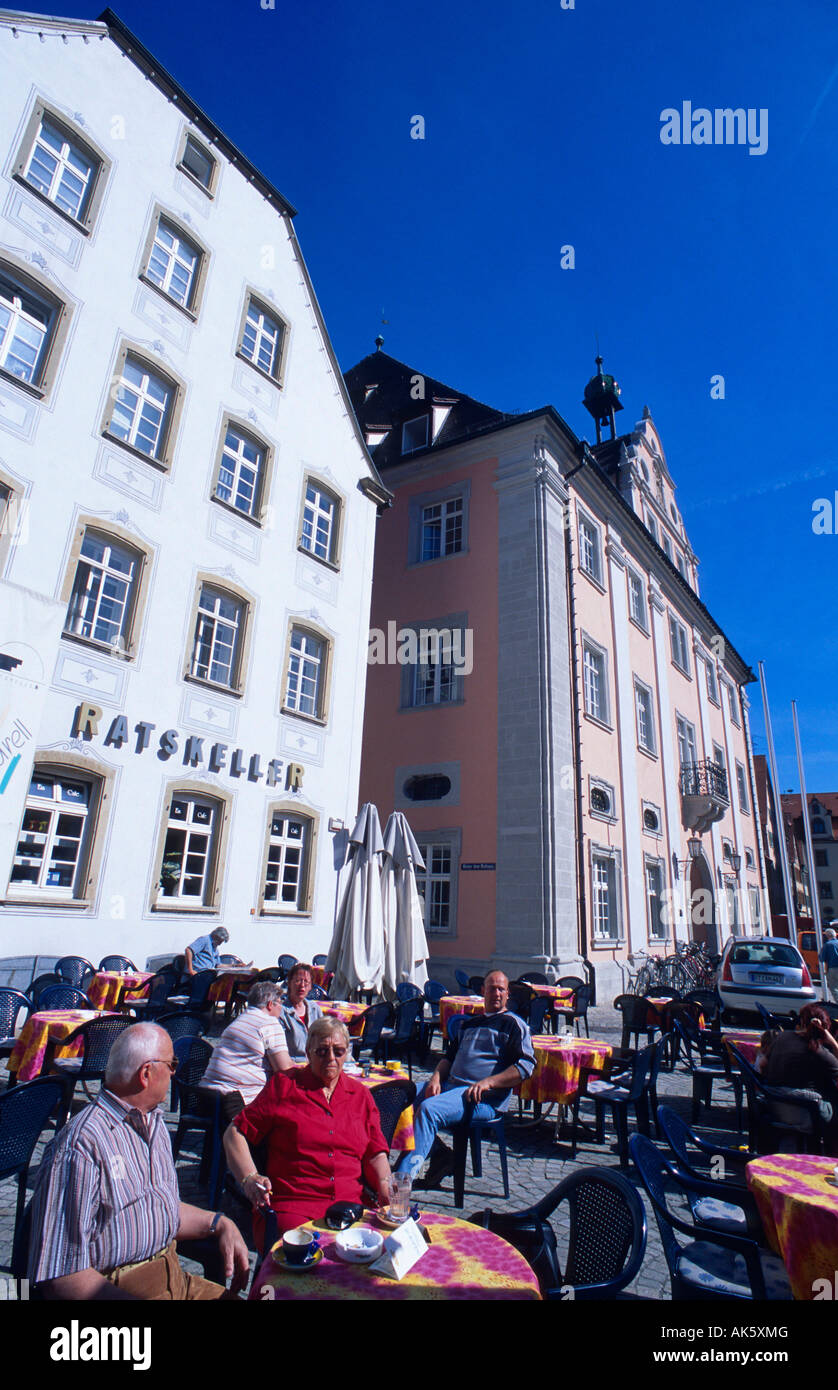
<point x="579" y="715"/>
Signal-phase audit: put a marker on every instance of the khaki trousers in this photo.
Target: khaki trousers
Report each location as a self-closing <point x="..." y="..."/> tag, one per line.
<point x="163" y="1278"/>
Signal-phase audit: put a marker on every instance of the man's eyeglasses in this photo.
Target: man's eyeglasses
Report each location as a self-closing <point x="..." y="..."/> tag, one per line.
<point x="324" y="1051"/>
<point x="172" y="1065"/>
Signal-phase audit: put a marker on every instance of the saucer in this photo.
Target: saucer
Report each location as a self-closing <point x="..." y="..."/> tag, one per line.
<point x="833" y="1182"/>
<point x="387" y="1220"/>
<point x="280" y="1258"/>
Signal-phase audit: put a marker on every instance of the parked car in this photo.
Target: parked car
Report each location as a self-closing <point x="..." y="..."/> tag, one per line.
<point x="765" y="968"/>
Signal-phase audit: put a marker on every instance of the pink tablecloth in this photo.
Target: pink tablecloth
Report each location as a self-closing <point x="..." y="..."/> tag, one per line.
<point x="746" y="1040"/>
<point x="799" y="1210"/>
<point x="105" y="989"/>
<point x="558" y="1065"/>
<point x="451" y="1004"/>
<point x="403" y="1136"/>
<point x="462" y="1261"/>
<point x="347" y="1012"/>
<point x="39" y="1030"/>
<point x="222" y="990"/>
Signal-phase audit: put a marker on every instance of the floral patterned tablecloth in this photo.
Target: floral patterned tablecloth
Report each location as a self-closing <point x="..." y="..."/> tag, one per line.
<point x="105" y="989"/>
<point x="462" y="1261"/>
<point x="799" y="1210"/>
<point x="39" y="1030"/>
<point x="347" y="1012"/>
<point x="558" y="1065"/>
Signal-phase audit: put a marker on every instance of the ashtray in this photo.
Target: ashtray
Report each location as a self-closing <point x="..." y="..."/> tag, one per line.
<point x="360" y="1245"/>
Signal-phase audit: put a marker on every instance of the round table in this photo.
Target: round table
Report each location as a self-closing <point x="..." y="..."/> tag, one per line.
<point x="558" y="1064"/>
<point x="560" y="993"/>
<point x="378" y="1076"/>
<point x="227" y="981"/>
<point x="44" y="1030"/>
<point x="349" y="1013"/>
<point x="108" y="987"/>
<point x="745" y="1039"/>
<point x="799" y="1210"/>
<point x="462" y="1261"/>
<point x="451" y="1004"/>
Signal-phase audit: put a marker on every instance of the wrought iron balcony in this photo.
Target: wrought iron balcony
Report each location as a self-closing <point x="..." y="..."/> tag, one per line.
<point x="704" y="795"/>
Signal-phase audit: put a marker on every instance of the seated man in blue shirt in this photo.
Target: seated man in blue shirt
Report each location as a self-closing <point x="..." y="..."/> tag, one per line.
<point x="492" y="1053"/>
<point x="203" y="953"/>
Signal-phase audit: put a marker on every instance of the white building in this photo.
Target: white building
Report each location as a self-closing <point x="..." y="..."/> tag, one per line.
<point x="181" y="474"/>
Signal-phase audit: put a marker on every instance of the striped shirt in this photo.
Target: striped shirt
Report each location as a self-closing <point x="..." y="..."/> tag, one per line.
<point x="106" y="1192"/>
<point x="238" y="1061"/>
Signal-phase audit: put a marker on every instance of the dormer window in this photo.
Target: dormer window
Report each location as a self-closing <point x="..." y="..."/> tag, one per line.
<point x="415" y="435"/>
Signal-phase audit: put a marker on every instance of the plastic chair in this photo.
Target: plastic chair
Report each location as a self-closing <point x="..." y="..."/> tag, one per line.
<point x="319" y="959"/>
<point x="635" y="1013"/>
<point x="285" y="962"/>
<point x="777" y="1111"/>
<point x="540" y="1013"/>
<point x="532" y="977"/>
<point x="180" y="1023"/>
<point x="155" y="999"/>
<point x="24" y="1112"/>
<point x="11" y="1003"/>
<point x="73" y="969"/>
<point x="375" y="1018"/>
<point x="607" y="1239"/>
<point x="714" y="1264"/>
<point x="37" y="987"/>
<point x="116" y="963"/>
<point x="475" y="983"/>
<point x="570" y="982"/>
<point x="273" y="973"/>
<point x="785" y="1022"/>
<point x="317" y="992"/>
<point x="62" y="997"/>
<point x="726" y="1205"/>
<point x="520" y="998"/>
<point x="618" y="1093"/>
<point x="405" y="990"/>
<point x="402" y="1037"/>
<point x="193" y="1055"/>
<point x="470" y="1133"/>
<point x="704" y="1075"/>
<point x="434" y="991"/>
<point x="98" y="1037"/>
<point x="577" y="1009"/>
<point x="461" y="977"/>
<point x="391" y="1098"/>
<point x="197" y="998"/>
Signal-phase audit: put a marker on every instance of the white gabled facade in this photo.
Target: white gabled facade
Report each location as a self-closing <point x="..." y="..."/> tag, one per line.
<point x="181" y="472"/>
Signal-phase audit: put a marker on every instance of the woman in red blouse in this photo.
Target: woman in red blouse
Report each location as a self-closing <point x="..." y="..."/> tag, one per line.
<point x="322" y="1135"/>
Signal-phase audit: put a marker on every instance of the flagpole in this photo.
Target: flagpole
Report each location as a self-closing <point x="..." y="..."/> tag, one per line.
<point x="791" y="904"/>
<point x="816" y="906"/>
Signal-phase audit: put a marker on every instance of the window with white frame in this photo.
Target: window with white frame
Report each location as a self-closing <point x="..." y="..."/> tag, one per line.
<point x="187" y="866"/>
<point x="601" y="800"/>
<point x="594" y="677"/>
<point x="754" y="903"/>
<point x="742" y="787"/>
<point x="680" y="648"/>
<point x="654" y="900"/>
<point x="667" y="547"/>
<point x="687" y="755"/>
<point x="712" y="684"/>
<point x="434" y="682"/>
<point x="681" y="563"/>
<point x="142" y="408"/>
<point x="604" y="904"/>
<point x="435" y="884"/>
<point x="52" y="847"/>
<point x="26" y="327"/>
<point x="262" y="339"/>
<point x="219" y="629"/>
<point x="61" y="169"/>
<point x="285" y="873"/>
<point x="731" y="699"/>
<point x="750" y="861"/>
<point x="645" y="712"/>
<point x="199" y="163"/>
<point x="320" y="522"/>
<point x="637" y="600"/>
<point x="173" y="264"/>
<point x="104" y="591"/>
<point x="651" y="525"/>
<point x="414" y="434"/>
<point x="305" y="683"/>
<point x="719" y="756"/>
<point x="241" y="472"/>
<point x="590" y="549"/>
<point x="651" y="819"/>
<point x="442" y="528"/>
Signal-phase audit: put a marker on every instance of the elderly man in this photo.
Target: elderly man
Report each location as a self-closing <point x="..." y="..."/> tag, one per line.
<point x="106" y="1208"/>
<point x="491" y="1054"/>
<point x="203" y="953"/>
<point x="248" y="1053"/>
<point x="829" y="961"/>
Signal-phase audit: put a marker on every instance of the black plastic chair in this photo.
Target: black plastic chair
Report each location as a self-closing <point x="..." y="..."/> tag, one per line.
<point x="197" y="998"/>
<point x="24" y="1112"/>
<point x="97" y="1038"/>
<point x="193" y="1055"/>
<point x="180" y="1023"/>
<point x="273" y="973"/>
<point x="726" y="1205"/>
<point x="704" y="1074"/>
<point x="317" y="992"/>
<point x="405" y="1034"/>
<point x="116" y="963"/>
<point x="707" y="1000"/>
<point x="714" y="1264"/>
<point x="635" y="1012"/>
<point x="540" y="1013"/>
<point x="570" y="982"/>
<point x="405" y="990"/>
<point x="286" y="962"/>
<point x="37" y="987"/>
<point x="433" y="992"/>
<point x="520" y="998"/>
<point x="607" y="1239"/>
<point x="319" y="959"/>
<point x="578" y="1008"/>
<point x="461" y="977"/>
<point x="785" y="1022"/>
<point x="532" y="977"/>
<point x="11" y="1003"/>
<point x="376" y="1018"/>
<point x="475" y="983"/>
<point x="780" y="1119"/>
<point x="154" y="1001"/>
<point x="73" y="969"/>
<point x="620" y="1092"/>
<point x="391" y="1098"/>
<point x="470" y="1133"/>
<point x="62" y="997"/>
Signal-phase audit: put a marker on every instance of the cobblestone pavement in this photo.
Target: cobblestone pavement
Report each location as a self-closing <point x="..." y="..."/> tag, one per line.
<point x="536" y="1164"/>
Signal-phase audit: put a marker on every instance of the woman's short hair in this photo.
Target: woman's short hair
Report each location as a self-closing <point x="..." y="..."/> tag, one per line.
<point x="264" y="992"/>
<point x="297" y="970"/>
<point x="323" y="1028"/>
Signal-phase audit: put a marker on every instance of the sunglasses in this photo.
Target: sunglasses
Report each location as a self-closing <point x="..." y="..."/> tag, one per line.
<point x="324" y="1051"/>
<point x="172" y="1065"/>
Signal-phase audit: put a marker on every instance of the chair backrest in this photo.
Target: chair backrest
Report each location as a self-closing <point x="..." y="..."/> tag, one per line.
<point x="520" y="998"/>
<point x="181" y="1024"/>
<point x="570" y="982"/>
<point x="285" y="962"/>
<point x="665" y="993"/>
<point x="678" y="1136"/>
<point x="434" y="991"/>
<point x="707" y="999"/>
<point x="319" y="959"/>
<point x="405" y="990"/>
<point x="635" y="1011"/>
<point x="317" y="992"/>
<point x="24" y="1111"/>
<point x="607" y="1232"/>
<point x="391" y="1098"/>
<point x="407" y="1012"/>
<point x="38" y="986"/>
<point x="116" y="963"/>
<point x="539" y="1009"/>
<point x="62" y="997"/>
<point x="73" y="969"/>
<point x="11" y="1003"/>
<point x="99" y="1036"/>
<point x="376" y="1017"/>
<point x="453" y="1026"/>
<point x="640" y="1069"/>
<point x="475" y="983"/>
<point x="199" y="987"/>
<point x="532" y="977"/>
<point x="231" y="960"/>
<point x="272" y="973"/>
<point x="582" y="1000"/>
<point x="193" y="1055"/>
<point x="653" y="1171"/>
<point x="658" y="1050"/>
<point x="461" y="977"/>
<point x="160" y="986"/>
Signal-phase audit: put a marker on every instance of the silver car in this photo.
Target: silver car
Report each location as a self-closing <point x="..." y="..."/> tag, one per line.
<point x="763" y="969"/>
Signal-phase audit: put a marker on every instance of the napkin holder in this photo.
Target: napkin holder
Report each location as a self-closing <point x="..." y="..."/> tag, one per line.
<point x="401" y="1251"/>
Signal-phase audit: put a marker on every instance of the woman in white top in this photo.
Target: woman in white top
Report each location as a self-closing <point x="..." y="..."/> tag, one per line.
<point x="248" y="1052"/>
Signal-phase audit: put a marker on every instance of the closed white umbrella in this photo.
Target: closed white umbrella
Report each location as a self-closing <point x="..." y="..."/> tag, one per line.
<point x="406" y="946"/>
<point x="356" y="954"/>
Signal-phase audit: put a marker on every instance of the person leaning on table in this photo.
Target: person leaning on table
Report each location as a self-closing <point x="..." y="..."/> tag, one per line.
<point x="322" y="1133"/>
<point x="203" y="954"/>
<point x="106" y="1210"/>
<point x="249" y="1051"/>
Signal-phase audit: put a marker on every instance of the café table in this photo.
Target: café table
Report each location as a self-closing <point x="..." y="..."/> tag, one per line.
<point x="108" y="988"/>
<point x="41" y="1036"/>
<point x="745" y="1039"/>
<point x="799" y="1210"/>
<point x="559" y="1063"/>
<point x="451" y="1004"/>
<point x="560" y="994"/>
<point x="228" y="979"/>
<point x="348" y="1012"/>
<point x="319" y="976"/>
<point x="462" y="1262"/>
<point x="378" y="1075"/>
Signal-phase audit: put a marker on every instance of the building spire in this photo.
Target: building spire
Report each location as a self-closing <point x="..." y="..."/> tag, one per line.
<point x="602" y="399"/>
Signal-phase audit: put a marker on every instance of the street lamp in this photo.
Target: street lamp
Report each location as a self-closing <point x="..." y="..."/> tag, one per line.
<point x="736" y="863"/>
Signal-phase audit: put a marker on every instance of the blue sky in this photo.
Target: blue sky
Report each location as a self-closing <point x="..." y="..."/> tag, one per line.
<point x="542" y="129"/>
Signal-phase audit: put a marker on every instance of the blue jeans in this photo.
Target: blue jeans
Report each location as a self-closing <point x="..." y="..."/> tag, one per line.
<point x="439" y="1112"/>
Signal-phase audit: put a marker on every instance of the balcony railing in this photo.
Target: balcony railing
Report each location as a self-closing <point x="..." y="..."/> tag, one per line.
<point x="704" y="779"/>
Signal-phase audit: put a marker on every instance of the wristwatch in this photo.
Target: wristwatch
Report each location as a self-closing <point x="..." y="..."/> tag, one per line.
<point x="214" y="1222"/>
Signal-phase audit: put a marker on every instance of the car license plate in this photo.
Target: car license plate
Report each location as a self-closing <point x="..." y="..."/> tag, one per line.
<point x="760" y="979"/>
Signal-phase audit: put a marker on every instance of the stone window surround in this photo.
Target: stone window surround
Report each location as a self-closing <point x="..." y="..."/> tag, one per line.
<point x="266" y="306"/>
<point x="126" y="349"/>
<point x="102" y="164"/>
<point x="416" y="506"/>
<point x="585" y="518"/>
<point x="259" y="516"/>
<point x="187" y="134"/>
<point x="596" y="851"/>
<point x="61" y="310"/>
<point x="199" y="280"/>
<point x="312" y="820"/>
<point x="218" y="847"/>
<point x="336" y="539"/>
<point x="139" y="595"/>
<point x="301" y="624"/>
<point x="452" y="836"/>
<point x="654" y="861"/>
<point x="454" y="621"/>
<point x="241" y="595"/>
<point x="402" y="802"/>
<point x="610" y="817"/>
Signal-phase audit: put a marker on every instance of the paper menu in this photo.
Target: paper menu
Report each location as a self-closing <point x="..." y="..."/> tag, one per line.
<point x="401" y="1251"/>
